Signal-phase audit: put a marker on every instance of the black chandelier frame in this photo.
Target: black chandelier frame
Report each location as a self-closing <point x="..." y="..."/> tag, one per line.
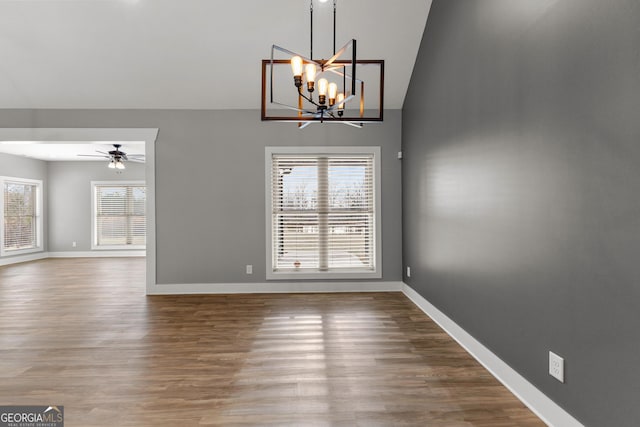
<point x="345" y="69"/>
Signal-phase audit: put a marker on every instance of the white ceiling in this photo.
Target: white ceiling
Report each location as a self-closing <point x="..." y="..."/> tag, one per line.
<point x="191" y="54"/>
<point x="61" y="151"/>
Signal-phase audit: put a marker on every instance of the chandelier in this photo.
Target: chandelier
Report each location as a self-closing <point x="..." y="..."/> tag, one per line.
<point x="324" y="91"/>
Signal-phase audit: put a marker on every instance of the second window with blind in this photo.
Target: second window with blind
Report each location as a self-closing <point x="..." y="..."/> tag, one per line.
<point x="323" y="214"/>
<point x="119" y="215"/>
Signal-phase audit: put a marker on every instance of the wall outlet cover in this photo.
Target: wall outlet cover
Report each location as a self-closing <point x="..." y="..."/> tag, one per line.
<point x="556" y="366"/>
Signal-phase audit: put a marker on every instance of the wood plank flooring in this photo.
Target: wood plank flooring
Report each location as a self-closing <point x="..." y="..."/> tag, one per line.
<point x="81" y="333"/>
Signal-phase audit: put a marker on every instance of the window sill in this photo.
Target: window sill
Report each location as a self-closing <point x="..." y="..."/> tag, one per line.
<point x="118" y="247"/>
<point x="7" y="253"/>
<point x="323" y="275"/>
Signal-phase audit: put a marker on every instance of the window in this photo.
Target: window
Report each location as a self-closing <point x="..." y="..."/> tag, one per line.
<point x="119" y="219"/>
<point x="323" y="212"/>
<point x="21" y="215"/>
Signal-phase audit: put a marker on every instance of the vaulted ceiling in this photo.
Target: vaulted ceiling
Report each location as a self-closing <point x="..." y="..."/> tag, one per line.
<point x="186" y="54"/>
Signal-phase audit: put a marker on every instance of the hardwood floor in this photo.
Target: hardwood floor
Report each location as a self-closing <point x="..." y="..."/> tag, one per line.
<point x="81" y="333"/>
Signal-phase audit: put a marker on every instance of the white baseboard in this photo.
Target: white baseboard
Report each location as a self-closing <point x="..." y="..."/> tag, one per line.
<point x="270" y="287"/>
<point x="97" y="254"/>
<point x="538" y="402"/>
<point x="23" y="258"/>
<point x="70" y="254"/>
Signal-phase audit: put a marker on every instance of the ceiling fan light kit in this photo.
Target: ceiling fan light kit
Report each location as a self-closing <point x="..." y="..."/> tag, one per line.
<point x="339" y="83"/>
<point x="117" y="157"/>
<point x="116" y="164"/>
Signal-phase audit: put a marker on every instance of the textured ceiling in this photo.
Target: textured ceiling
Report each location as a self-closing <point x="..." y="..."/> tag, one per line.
<point x="189" y="54"/>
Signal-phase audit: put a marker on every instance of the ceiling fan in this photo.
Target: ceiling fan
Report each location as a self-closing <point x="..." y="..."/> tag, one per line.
<point x="117" y="157"/>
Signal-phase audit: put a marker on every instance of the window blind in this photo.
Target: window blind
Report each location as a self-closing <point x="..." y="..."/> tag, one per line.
<point x="120" y="215"/>
<point x="323" y="212"/>
<point x="20" y="216"/>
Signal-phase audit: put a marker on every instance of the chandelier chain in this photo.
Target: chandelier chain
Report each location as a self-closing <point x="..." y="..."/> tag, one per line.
<point x="311" y="27"/>
<point x="334" y="26"/>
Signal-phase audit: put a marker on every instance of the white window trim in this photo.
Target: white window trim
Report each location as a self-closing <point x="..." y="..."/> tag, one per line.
<point x="39" y="216"/>
<point x="325" y="275"/>
<point x="94" y="208"/>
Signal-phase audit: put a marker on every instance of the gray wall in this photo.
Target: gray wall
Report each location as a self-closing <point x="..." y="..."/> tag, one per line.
<point x="210" y="209"/>
<point x="69" y="216"/>
<point x="521" y="184"/>
<point x="22" y="167"/>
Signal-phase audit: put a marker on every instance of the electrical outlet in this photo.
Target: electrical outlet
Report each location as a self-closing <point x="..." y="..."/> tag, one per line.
<point x="73" y="244"/>
<point x="249" y="269"/>
<point x="556" y="366"/>
<point x="408" y="271"/>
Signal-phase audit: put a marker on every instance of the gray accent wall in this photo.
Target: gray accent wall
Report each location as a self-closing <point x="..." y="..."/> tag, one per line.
<point x="210" y="189"/>
<point x="70" y="213"/>
<point x="521" y="189"/>
<point x="22" y="167"/>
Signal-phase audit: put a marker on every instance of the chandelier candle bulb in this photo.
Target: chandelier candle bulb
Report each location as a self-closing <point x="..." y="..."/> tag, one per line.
<point x="310" y="71"/>
<point x="322" y="90"/>
<point x="333" y="90"/>
<point x="296" y="67"/>
<point x="340" y="100"/>
<point x="322" y="86"/>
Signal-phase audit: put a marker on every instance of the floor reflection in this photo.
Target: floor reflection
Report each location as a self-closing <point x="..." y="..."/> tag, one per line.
<point x="111" y="356"/>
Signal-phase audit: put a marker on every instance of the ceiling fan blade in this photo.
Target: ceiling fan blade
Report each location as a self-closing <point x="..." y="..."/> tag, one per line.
<point x="135" y="155"/>
<point x="93" y="155"/>
<point x="102" y="152"/>
<point x="136" y="160"/>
